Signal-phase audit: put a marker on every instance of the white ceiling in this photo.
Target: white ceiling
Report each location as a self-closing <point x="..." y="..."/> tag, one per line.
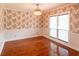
<point x="24" y="6"/>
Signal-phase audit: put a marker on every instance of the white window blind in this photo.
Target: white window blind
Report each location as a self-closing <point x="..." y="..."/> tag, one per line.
<point x="59" y="27"/>
<point x="53" y="26"/>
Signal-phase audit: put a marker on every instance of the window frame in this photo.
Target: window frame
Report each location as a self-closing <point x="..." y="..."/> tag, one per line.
<point x="58" y="29"/>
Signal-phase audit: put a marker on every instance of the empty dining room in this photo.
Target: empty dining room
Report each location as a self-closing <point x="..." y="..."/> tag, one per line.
<point x="39" y="29"/>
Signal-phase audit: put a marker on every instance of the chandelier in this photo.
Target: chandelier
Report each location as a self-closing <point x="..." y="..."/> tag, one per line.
<point x="37" y="11"/>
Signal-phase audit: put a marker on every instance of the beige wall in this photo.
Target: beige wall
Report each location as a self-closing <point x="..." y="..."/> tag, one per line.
<point x="21" y="24"/>
<point x="1" y="28"/>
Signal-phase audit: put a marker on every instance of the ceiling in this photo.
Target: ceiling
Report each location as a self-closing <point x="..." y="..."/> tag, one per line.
<point x="24" y="6"/>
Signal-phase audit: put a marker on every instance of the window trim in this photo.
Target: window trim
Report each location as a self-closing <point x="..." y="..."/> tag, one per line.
<point x="58" y="29"/>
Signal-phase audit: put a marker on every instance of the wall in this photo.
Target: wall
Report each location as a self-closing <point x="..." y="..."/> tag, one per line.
<point x="1" y="28"/>
<point x="20" y="24"/>
<point x="73" y="10"/>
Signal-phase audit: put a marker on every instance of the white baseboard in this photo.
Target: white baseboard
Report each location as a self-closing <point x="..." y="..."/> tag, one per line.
<point x="1" y="46"/>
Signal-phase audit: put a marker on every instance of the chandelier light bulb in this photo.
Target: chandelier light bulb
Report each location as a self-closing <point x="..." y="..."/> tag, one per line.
<point x="37" y="11"/>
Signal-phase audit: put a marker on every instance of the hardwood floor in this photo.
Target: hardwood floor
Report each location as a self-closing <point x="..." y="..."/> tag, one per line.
<point x="37" y="46"/>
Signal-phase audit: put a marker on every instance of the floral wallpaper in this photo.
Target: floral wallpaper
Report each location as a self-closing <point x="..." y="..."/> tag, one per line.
<point x="72" y="9"/>
<point x="1" y="17"/>
<point x="20" y="19"/>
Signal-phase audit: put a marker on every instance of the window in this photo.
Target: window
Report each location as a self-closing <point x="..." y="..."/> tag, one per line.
<point x="59" y="27"/>
<point x="53" y="26"/>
